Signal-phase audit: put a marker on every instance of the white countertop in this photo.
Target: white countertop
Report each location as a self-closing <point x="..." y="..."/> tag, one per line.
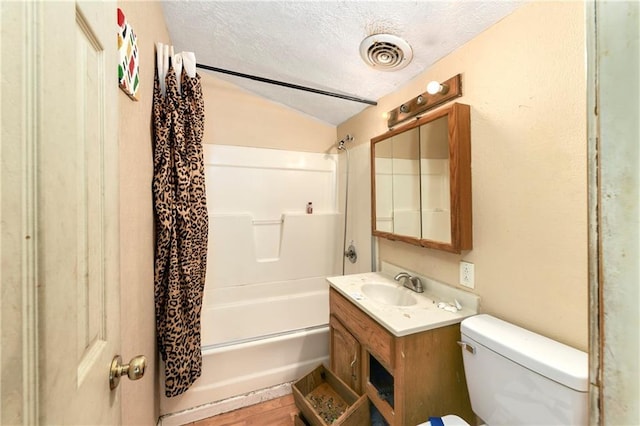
<point x="405" y="320"/>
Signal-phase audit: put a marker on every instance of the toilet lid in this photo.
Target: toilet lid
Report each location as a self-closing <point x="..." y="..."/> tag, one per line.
<point x="449" y="420"/>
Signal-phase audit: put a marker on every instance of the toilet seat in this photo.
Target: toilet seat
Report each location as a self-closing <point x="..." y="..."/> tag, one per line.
<point x="449" y="420"/>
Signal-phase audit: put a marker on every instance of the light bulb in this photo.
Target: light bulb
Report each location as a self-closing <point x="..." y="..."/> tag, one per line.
<point x="434" y="87"/>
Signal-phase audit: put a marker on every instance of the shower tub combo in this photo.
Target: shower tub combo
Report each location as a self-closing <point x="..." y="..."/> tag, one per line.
<point x="265" y="311"/>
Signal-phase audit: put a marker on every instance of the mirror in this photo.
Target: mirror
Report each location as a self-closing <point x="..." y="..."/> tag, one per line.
<point x="435" y="207"/>
<point x="421" y="181"/>
<point x="398" y="184"/>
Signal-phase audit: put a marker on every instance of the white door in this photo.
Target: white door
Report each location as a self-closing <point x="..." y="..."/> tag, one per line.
<point x="60" y="177"/>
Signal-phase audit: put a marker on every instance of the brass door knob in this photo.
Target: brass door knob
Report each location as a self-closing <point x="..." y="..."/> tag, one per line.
<point x="134" y="370"/>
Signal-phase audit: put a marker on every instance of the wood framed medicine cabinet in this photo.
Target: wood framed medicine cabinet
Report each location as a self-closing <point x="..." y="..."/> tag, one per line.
<point x="421" y="181"/>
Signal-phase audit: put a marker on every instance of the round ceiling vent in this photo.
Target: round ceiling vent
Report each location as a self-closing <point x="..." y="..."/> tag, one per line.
<point x="386" y="52"/>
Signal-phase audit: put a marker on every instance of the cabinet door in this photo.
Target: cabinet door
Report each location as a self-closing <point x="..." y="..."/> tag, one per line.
<point x="345" y="355"/>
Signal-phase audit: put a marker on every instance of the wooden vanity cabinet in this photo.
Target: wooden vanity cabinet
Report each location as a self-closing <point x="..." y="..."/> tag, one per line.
<point x="345" y="355"/>
<point x="425" y="369"/>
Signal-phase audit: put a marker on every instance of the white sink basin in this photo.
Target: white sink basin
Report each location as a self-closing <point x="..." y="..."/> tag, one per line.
<point x="389" y="294"/>
<point x="402" y="311"/>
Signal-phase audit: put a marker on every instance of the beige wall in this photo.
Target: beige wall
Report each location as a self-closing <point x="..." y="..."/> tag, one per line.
<point x="140" y="402"/>
<point x="237" y="117"/>
<point x="524" y="79"/>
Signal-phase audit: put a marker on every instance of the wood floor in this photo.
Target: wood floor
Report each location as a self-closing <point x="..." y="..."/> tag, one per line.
<point x="276" y="412"/>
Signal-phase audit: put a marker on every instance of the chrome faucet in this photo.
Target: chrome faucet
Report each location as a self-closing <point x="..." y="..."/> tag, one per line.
<point x="412" y="283"/>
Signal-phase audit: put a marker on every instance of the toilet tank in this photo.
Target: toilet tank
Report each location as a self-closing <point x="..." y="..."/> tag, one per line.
<point x="517" y="377"/>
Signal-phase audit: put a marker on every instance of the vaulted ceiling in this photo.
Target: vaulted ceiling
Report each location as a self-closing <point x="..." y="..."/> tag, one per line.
<point x="317" y="44"/>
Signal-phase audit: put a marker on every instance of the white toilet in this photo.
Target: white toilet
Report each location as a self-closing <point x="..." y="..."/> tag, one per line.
<point x="516" y="377"/>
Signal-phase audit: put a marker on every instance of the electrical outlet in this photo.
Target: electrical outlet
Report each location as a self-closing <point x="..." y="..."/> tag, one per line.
<point x="466" y="274"/>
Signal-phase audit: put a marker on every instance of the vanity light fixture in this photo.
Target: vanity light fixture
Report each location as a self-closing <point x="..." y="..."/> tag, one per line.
<point x="435" y="87"/>
<point x="436" y="95"/>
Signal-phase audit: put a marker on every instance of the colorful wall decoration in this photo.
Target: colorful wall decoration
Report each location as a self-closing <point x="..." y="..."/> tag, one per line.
<point x="128" y="71"/>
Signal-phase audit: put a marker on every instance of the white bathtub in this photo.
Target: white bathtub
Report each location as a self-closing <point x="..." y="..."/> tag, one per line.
<point x="255" y="367"/>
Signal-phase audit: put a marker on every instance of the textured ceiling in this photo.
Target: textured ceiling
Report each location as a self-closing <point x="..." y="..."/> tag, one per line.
<point x="316" y="43"/>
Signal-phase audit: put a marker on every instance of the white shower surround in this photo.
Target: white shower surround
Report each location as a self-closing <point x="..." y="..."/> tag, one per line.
<point x="266" y="306"/>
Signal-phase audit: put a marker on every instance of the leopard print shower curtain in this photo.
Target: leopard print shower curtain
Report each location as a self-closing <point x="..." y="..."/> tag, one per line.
<point x="181" y="227"/>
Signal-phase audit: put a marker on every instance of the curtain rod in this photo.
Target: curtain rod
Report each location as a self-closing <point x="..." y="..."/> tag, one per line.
<point x="289" y="85"/>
